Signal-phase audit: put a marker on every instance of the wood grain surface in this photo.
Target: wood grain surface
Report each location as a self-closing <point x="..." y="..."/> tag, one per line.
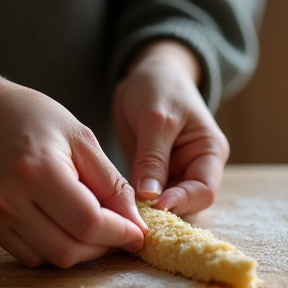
<point x="251" y="211"/>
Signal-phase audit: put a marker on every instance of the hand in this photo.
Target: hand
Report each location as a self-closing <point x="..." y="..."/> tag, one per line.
<point x="175" y="148"/>
<point x="61" y="199"/>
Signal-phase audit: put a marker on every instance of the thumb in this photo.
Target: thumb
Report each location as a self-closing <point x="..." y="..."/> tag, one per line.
<point x="151" y="163"/>
<point x="98" y="173"/>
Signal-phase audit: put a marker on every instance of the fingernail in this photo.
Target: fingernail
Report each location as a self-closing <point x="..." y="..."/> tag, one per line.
<point x="148" y="185"/>
<point x="133" y="246"/>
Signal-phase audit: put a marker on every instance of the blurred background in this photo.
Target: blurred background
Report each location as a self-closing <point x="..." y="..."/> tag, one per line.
<point x="256" y="120"/>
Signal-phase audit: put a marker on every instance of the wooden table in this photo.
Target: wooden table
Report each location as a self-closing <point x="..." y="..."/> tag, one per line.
<point x="251" y="211"/>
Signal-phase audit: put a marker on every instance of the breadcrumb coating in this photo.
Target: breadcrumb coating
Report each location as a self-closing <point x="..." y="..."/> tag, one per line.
<point x="179" y="248"/>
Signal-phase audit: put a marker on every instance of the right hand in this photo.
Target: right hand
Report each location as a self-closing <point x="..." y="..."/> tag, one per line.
<point x="61" y="200"/>
<point x="176" y="149"/>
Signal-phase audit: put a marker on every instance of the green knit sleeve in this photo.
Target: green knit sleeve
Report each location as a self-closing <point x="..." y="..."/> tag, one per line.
<point x="223" y="33"/>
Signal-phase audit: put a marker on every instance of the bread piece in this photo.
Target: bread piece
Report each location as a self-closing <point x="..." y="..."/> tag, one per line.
<point x="175" y="246"/>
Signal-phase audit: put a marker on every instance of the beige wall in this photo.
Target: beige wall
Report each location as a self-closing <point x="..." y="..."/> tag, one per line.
<point x="256" y="120"/>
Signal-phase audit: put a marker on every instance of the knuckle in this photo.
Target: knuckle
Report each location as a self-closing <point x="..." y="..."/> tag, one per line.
<point x="32" y="261"/>
<point x="218" y="143"/>
<point x="204" y="199"/>
<point x="89" y="227"/>
<point x="32" y="167"/>
<point x="153" y="160"/>
<point x="209" y="197"/>
<point x="163" y="118"/>
<point x="122" y="188"/>
<point x="224" y="147"/>
<point x="65" y="257"/>
<point x="87" y="136"/>
<point x="27" y="166"/>
<point x="221" y="144"/>
<point x="31" y="159"/>
<point x="121" y="191"/>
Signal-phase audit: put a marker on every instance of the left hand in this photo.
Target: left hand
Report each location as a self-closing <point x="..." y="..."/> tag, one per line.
<point x="61" y="199"/>
<point x="176" y="149"/>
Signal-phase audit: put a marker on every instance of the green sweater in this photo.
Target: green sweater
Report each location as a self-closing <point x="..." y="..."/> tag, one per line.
<point x="68" y="49"/>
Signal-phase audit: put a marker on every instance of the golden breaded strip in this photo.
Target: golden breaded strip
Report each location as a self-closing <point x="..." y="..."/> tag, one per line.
<point x="175" y="246"/>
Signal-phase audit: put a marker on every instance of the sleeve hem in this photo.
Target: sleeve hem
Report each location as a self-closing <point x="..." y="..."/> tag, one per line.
<point x="210" y="87"/>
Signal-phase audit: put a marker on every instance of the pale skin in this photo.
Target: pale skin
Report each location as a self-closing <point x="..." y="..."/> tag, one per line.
<point x="62" y="201"/>
<point x="168" y="134"/>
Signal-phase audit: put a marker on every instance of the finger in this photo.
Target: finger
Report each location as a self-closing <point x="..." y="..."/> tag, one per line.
<point x="12" y="243"/>
<point x="186" y="197"/>
<point x="155" y="139"/>
<point x="98" y="173"/>
<point x="51" y="242"/>
<point x="68" y="203"/>
<point x="196" y="189"/>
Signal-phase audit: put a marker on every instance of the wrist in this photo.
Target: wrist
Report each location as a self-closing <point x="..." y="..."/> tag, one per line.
<point x="172" y="53"/>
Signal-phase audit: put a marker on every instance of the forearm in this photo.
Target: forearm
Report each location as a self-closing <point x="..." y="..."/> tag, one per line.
<point x="221" y="33"/>
<point x="172" y="53"/>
